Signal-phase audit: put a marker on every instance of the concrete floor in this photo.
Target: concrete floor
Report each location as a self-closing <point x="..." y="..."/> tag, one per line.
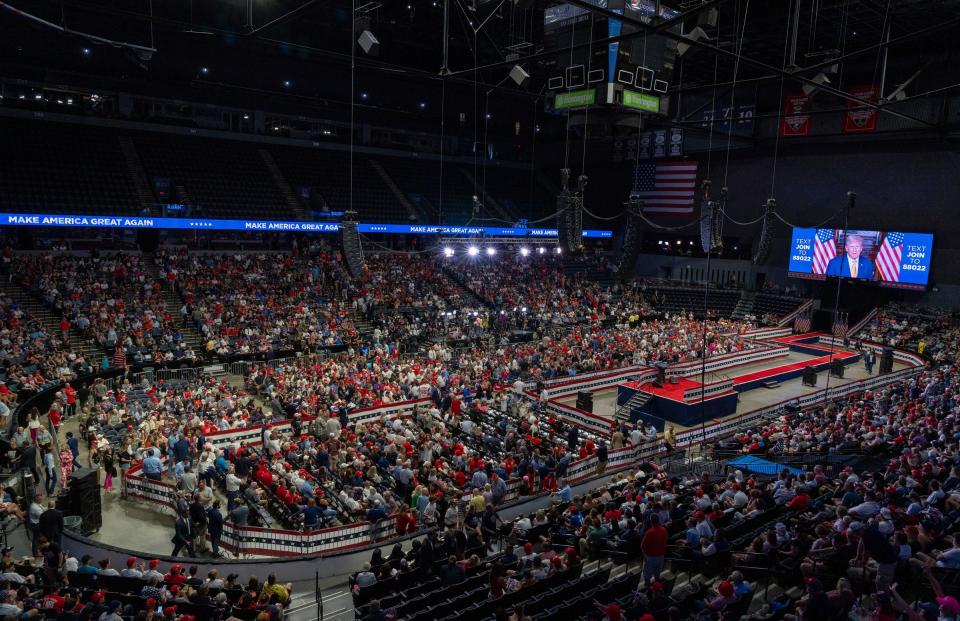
<point x="605" y="401"/>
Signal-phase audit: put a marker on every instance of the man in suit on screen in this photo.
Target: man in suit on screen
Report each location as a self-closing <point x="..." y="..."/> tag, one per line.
<point x="851" y="264"/>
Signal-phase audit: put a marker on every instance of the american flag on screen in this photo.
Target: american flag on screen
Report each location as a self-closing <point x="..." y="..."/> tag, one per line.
<point x="824" y="249"/>
<point x="888" y="259"/>
<point x="666" y="187"/>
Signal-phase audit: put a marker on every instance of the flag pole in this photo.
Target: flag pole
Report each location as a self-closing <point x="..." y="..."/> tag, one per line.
<point x="851" y="200"/>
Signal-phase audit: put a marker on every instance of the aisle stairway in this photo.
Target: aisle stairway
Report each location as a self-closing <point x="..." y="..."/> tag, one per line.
<point x="173" y="303"/>
<point x="50" y="321"/>
<point x="744" y="306"/>
<point x="291" y="198"/>
<point x="138" y="175"/>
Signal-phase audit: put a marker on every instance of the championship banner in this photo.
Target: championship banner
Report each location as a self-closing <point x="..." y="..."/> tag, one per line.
<point x="859" y="119"/>
<point x="795" y="120"/>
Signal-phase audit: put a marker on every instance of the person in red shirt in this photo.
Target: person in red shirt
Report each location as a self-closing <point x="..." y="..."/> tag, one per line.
<point x="176" y="575"/>
<point x="654" y="546"/>
<point x="799" y="502"/>
<point x="406" y="521"/>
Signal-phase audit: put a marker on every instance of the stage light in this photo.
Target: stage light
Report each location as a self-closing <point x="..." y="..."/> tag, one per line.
<point x="559" y="250"/>
<point x="523" y="310"/>
<point x="246" y="117"/>
<point x="85" y="51"/>
<point x="448" y="251"/>
<point x="691" y="243"/>
<point x="204" y="70"/>
<point x="679" y="242"/>
<point x="491" y="251"/>
<point x="489" y="116"/>
<point x="286" y="84"/>
<point x="423" y="105"/>
<point x="363" y="95"/>
<point x="473" y="251"/>
<point x="541" y="250"/>
<point x="525" y="252"/>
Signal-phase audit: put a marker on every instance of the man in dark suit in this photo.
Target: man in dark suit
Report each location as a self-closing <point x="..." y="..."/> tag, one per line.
<point x="215" y="526"/>
<point x="183" y="536"/>
<point x="850" y="264"/>
<point x="51" y="524"/>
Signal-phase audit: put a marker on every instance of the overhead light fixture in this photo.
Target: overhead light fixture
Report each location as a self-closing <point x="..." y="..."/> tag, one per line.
<point x="819" y="80"/>
<point x="423" y="105"/>
<point x="524" y="252"/>
<point x="559" y="250"/>
<point x="204" y="70"/>
<point x="697" y="34"/>
<point x="491" y="251"/>
<point x="246" y="117"/>
<point x="85" y="51"/>
<point x="287" y="83"/>
<point x="541" y="249"/>
<point x="473" y="251"/>
<point x="519" y="76"/>
<point x="369" y="43"/>
<point x="448" y="251"/>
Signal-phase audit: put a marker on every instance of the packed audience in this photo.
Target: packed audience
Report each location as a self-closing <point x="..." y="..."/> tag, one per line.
<point x="260" y="303"/>
<point x="929" y="331"/>
<point x="874" y="537"/>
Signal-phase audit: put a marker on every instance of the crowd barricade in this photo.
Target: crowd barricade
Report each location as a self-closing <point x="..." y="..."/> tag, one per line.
<point x="766" y="334"/>
<point x="763" y="351"/>
<point x="251" y="435"/>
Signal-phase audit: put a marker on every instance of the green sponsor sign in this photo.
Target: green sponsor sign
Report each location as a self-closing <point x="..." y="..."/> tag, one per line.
<point x="640" y="101"/>
<point x="574" y="99"/>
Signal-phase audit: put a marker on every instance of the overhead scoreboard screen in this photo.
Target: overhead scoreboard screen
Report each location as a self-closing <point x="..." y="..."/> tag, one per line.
<point x="642" y="65"/>
<point x="888" y="258"/>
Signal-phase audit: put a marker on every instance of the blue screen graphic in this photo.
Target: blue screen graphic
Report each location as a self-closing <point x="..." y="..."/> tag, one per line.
<point x="888" y="258"/>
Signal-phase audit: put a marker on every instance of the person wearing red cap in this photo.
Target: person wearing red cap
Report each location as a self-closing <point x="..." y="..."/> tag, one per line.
<point x="132" y="570"/>
<point x="611" y="612"/>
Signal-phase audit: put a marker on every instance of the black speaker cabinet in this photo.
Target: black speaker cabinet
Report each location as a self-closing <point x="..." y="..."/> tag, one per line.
<point x="886" y="360"/>
<point x="585" y="400"/>
<point x="809" y="376"/>
<point x="836" y="368"/>
<point x="83" y="499"/>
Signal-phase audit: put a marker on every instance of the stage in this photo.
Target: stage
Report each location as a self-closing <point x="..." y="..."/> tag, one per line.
<point x="748" y="384"/>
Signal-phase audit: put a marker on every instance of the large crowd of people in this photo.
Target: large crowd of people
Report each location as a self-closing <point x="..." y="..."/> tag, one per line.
<point x="880" y="525"/>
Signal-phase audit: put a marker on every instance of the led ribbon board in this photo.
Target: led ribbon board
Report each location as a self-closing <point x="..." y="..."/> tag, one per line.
<point x="201" y="224"/>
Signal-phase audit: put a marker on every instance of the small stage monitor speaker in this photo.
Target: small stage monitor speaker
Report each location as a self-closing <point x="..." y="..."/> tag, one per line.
<point x="809" y="376"/>
<point x="836" y="368"/>
<point x="585" y="400"/>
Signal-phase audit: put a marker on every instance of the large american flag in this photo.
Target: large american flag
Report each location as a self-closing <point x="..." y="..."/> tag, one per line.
<point x="666" y="187"/>
<point x="824" y="249"/>
<point x="888" y="259"/>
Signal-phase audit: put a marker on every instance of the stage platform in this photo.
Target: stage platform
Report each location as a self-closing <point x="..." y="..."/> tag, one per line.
<point x="754" y="398"/>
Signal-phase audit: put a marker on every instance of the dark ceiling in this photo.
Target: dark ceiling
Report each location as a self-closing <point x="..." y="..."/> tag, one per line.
<point x="296" y="53"/>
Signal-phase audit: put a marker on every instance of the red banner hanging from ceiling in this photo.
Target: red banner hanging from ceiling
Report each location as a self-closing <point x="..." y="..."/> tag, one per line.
<point x="858" y="118"/>
<point x="795" y="120"/>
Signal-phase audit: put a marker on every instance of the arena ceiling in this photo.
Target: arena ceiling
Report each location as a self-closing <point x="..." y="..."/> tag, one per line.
<point x="262" y="45"/>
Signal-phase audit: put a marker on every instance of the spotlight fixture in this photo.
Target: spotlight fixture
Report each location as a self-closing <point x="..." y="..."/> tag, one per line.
<point x="473" y="251"/>
<point x="541" y="249"/>
<point x="525" y="252"/>
<point x="448" y="251"/>
<point x="559" y="250"/>
<point x="85" y="51"/>
<point x="286" y="84"/>
<point x="204" y="70"/>
<point x="491" y="251"/>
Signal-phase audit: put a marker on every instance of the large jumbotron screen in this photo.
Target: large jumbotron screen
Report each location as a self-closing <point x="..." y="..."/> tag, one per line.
<point x="888" y="258"/>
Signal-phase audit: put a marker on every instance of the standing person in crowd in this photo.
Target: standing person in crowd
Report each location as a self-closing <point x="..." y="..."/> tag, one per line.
<point x="49" y="469"/>
<point x="50" y="524"/>
<point x="215" y="527"/>
<point x="183" y="536"/>
<point x="654" y="547"/>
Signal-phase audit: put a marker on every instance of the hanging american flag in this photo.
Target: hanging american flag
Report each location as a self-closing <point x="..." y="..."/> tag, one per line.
<point x="666" y="187"/>
<point x="824" y="249"/>
<point x="888" y="258"/>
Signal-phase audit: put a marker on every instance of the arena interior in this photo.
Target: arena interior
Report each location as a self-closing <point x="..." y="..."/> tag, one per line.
<point x="604" y="310"/>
